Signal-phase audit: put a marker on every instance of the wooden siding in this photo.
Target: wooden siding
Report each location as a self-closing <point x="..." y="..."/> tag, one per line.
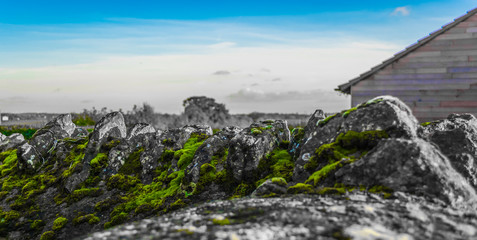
<point x="436" y="79"/>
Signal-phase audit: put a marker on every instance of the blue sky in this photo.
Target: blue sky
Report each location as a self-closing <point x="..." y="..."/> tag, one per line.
<point x="271" y="56"/>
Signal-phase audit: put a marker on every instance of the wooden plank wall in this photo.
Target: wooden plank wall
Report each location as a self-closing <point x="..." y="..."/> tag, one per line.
<point x="434" y="80"/>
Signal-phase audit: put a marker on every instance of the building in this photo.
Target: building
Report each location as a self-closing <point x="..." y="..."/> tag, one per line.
<point x="435" y="77"/>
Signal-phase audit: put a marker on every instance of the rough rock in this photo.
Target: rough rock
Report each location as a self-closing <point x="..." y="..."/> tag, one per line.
<point x="252" y="144"/>
<point x="44" y="141"/>
<point x="141" y="135"/>
<point x="384" y="113"/>
<point x="29" y="159"/>
<point x="177" y="137"/>
<point x="79" y="133"/>
<point x="456" y="137"/>
<point x="216" y="144"/>
<point x="2" y="137"/>
<point x="110" y="127"/>
<point x="271" y="187"/>
<point x="355" y="216"/>
<point x="60" y="127"/>
<point x="12" y="141"/>
<point x="412" y="166"/>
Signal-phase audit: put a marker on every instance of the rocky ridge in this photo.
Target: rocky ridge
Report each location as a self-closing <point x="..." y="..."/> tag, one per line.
<point x="362" y="171"/>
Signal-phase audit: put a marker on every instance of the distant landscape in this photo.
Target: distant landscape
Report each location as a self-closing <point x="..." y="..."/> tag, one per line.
<point x="197" y="110"/>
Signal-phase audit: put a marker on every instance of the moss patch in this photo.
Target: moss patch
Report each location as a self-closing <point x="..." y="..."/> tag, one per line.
<point x="59" y="223"/>
<point x="346" y="149"/>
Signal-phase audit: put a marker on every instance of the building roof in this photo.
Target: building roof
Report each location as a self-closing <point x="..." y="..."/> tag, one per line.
<point x="346" y="88"/>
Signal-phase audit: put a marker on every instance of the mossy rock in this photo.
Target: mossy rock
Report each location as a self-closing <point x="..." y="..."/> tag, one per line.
<point x="301" y="188"/>
<point x="59" y="223"/>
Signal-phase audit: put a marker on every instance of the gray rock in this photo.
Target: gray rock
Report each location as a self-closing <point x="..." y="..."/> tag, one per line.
<point x="110" y="127"/>
<point x="355" y="216"/>
<point x="456" y="137"/>
<point x="79" y="133"/>
<point x="28" y="158"/>
<point x="140" y="135"/>
<point x="271" y="187"/>
<point x="60" y="127"/>
<point x="2" y="137"/>
<point x="252" y="144"/>
<point x="381" y="113"/>
<point x="139" y="130"/>
<point x="44" y="142"/>
<point x="412" y="166"/>
<point x="11" y="141"/>
<point x="177" y="137"/>
<point x="211" y="146"/>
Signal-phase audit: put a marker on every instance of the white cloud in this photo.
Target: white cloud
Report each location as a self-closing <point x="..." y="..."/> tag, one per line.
<point x="403" y="11"/>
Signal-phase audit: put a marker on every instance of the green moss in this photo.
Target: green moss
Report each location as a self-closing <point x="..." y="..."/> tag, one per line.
<point x="59" y="223"/>
<point x="89" y="218"/>
<point x="242" y="190"/>
<point x="361" y="140"/>
<point x="122" y="182"/>
<point x="323" y="122"/>
<point x="98" y="163"/>
<point x="144" y="208"/>
<point x="132" y="165"/>
<point x="386" y="192"/>
<point x="177" y="204"/>
<point x="48" y="235"/>
<point x="297" y="135"/>
<point x="347" y="148"/>
<point x="207" y="175"/>
<point x="346" y="113"/>
<point x="300" y="188"/>
<point x="256" y="131"/>
<point x="221" y="222"/>
<point x="107" y="146"/>
<point x="323" y="172"/>
<point x="37" y="224"/>
<point x="9" y="162"/>
<point x="280" y="181"/>
<point x="278" y="163"/>
<point x="79" y="194"/>
<point x="116" y="220"/>
<point x="331" y="191"/>
<point x="186" y="154"/>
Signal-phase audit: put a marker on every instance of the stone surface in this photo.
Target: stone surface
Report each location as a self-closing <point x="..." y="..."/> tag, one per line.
<point x="11" y="141"/>
<point x="2" y="137"/>
<point x="271" y="187"/>
<point x="252" y="144"/>
<point x="355" y="216"/>
<point x="110" y="127"/>
<point x="412" y="166"/>
<point x="216" y="144"/>
<point x="456" y="137"/>
<point x="176" y="138"/>
<point x="372" y="176"/>
<point x="28" y="158"/>
<point x="141" y="135"/>
<point x="79" y="133"/>
<point x="381" y="113"/>
<point x="60" y="127"/>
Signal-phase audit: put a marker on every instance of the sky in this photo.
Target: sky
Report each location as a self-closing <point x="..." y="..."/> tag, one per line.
<point x="266" y="56"/>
